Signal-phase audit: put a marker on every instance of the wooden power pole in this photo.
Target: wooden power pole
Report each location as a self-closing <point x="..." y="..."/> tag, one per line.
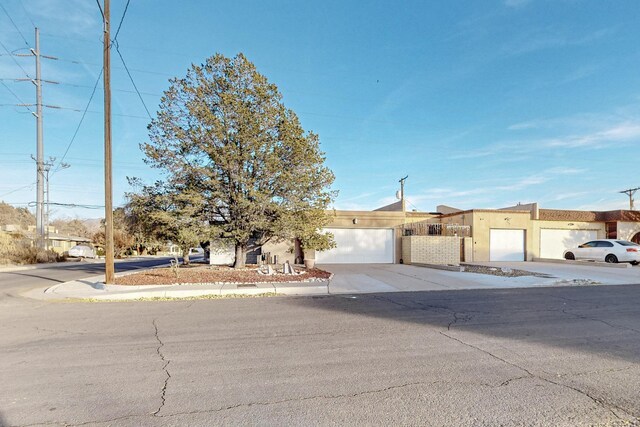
<point x="402" y="180"/>
<point x="109" y="270"/>
<point x="630" y="192"/>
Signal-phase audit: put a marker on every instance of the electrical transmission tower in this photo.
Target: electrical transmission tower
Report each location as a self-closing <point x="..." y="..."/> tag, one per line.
<point x="630" y="192"/>
<point x="40" y="163"/>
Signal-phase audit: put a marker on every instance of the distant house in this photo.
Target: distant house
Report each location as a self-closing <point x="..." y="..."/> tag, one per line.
<point x="59" y="243"/>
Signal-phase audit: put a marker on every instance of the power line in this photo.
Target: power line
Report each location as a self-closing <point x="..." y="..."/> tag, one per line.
<point x="91" y="87"/>
<point x="56" y="107"/>
<point x="100" y="7"/>
<point x="18" y="189"/>
<point x="132" y="82"/>
<point x="23" y="104"/>
<point x="69" y="205"/>
<point x="84" y="113"/>
<point x="73" y="61"/>
<point x="78" y="110"/>
<point x="14" y="59"/>
<point x="27" y="13"/>
<point x="126" y="7"/>
<point x="14" y="25"/>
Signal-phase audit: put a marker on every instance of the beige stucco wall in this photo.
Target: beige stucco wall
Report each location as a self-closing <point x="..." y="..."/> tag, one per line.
<point x="431" y="250"/>
<point x="484" y="221"/>
<point x="626" y="230"/>
<point x="468" y="249"/>
<point x="285" y="250"/>
<point x="375" y="219"/>
<point x="537" y="226"/>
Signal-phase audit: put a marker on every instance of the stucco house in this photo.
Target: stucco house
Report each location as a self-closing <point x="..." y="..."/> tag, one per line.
<point x="392" y="234"/>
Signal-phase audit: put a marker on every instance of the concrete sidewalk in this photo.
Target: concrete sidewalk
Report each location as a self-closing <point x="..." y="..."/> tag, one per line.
<point x="357" y="278"/>
<point x="94" y="288"/>
<point x="365" y="278"/>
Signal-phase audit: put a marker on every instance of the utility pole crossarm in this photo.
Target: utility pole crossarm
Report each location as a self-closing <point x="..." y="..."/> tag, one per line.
<point x="630" y="192"/>
<point x="402" y="180"/>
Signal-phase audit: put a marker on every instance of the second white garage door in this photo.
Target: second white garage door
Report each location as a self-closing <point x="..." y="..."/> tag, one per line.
<point x="359" y="246"/>
<point x="506" y="245"/>
<point x="553" y="243"/>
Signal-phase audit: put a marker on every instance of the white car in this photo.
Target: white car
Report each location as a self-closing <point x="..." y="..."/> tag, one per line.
<point x="607" y="250"/>
<point x="82" y="251"/>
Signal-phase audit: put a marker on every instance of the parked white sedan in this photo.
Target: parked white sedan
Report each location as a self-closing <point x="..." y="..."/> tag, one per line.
<point x="82" y="251"/>
<point x="607" y="250"/>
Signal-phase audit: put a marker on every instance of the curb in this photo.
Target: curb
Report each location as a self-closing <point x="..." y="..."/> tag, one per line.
<point x="587" y="263"/>
<point x="445" y="267"/>
<point x="100" y="291"/>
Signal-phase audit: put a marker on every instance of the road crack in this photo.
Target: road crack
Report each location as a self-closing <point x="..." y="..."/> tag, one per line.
<point x="593" y="319"/>
<point x="457" y="317"/>
<point x="164" y="368"/>
<point x="301" y="399"/>
<point x="600" y="402"/>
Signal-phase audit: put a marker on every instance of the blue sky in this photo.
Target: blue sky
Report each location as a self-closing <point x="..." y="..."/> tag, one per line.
<point x="483" y="104"/>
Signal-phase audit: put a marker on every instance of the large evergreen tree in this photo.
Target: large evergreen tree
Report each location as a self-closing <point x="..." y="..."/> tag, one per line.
<point x="225" y="140"/>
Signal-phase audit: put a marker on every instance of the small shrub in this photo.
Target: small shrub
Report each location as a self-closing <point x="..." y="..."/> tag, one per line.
<point x="7" y="247"/>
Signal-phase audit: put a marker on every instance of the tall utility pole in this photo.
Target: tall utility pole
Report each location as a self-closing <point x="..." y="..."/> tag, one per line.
<point x="40" y="149"/>
<point x="47" y="222"/>
<point x="402" y="180"/>
<point x="109" y="270"/>
<point x="630" y="192"/>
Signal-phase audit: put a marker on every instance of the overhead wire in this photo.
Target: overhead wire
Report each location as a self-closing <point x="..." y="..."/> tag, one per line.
<point x="126" y="7"/>
<point x="24" y="104"/>
<point x="117" y="45"/>
<point x="14" y="25"/>
<point x="132" y="81"/>
<point x="18" y="189"/>
<point x="75" y="133"/>
<point x="26" y="13"/>
<point x="14" y="59"/>
<point x="100" y="7"/>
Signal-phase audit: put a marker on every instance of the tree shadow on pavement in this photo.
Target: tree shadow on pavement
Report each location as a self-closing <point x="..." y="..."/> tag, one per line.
<point x="595" y="319"/>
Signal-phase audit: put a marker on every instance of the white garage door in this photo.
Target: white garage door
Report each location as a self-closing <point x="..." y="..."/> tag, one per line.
<point x="506" y="245"/>
<point x="358" y="246"/>
<point x="553" y="243"/>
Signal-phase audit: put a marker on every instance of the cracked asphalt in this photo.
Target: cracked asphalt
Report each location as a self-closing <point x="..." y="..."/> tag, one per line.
<point x="561" y="356"/>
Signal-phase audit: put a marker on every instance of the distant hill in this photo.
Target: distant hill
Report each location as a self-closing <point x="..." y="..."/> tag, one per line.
<point x="10" y="215"/>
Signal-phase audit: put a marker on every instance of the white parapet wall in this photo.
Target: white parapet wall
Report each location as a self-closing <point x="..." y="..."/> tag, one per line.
<point x="431" y="250"/>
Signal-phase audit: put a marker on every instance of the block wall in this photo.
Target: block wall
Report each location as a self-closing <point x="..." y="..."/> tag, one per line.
<point x="431" y="250"/>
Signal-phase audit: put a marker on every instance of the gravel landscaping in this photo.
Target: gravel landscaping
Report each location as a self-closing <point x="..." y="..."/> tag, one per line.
<point x="501" y="271"/>
<point x="218" y="275"/>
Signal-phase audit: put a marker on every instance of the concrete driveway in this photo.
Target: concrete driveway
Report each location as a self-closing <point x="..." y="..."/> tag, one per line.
<point x="364" y="278"/>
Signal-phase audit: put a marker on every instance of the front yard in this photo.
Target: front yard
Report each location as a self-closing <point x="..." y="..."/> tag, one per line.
<point x="217" y="275"/>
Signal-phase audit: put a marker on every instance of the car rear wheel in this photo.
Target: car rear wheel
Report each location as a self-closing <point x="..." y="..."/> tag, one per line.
<point x="569" y="256"/>
<point x="611" y="259"/>
<point x="634" y="263"/>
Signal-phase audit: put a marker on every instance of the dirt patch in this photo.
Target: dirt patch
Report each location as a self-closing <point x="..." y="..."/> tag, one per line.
<point x="217" y="275"/>
<point x="501" y="271"/>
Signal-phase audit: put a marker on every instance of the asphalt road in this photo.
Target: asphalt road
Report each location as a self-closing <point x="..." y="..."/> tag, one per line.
<point x="561" y="356"/>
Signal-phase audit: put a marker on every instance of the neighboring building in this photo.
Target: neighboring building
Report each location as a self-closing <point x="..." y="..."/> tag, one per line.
<point x="61" y="243"/>
<point x="525" y="232"/>
<point x="392" y="235"/>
